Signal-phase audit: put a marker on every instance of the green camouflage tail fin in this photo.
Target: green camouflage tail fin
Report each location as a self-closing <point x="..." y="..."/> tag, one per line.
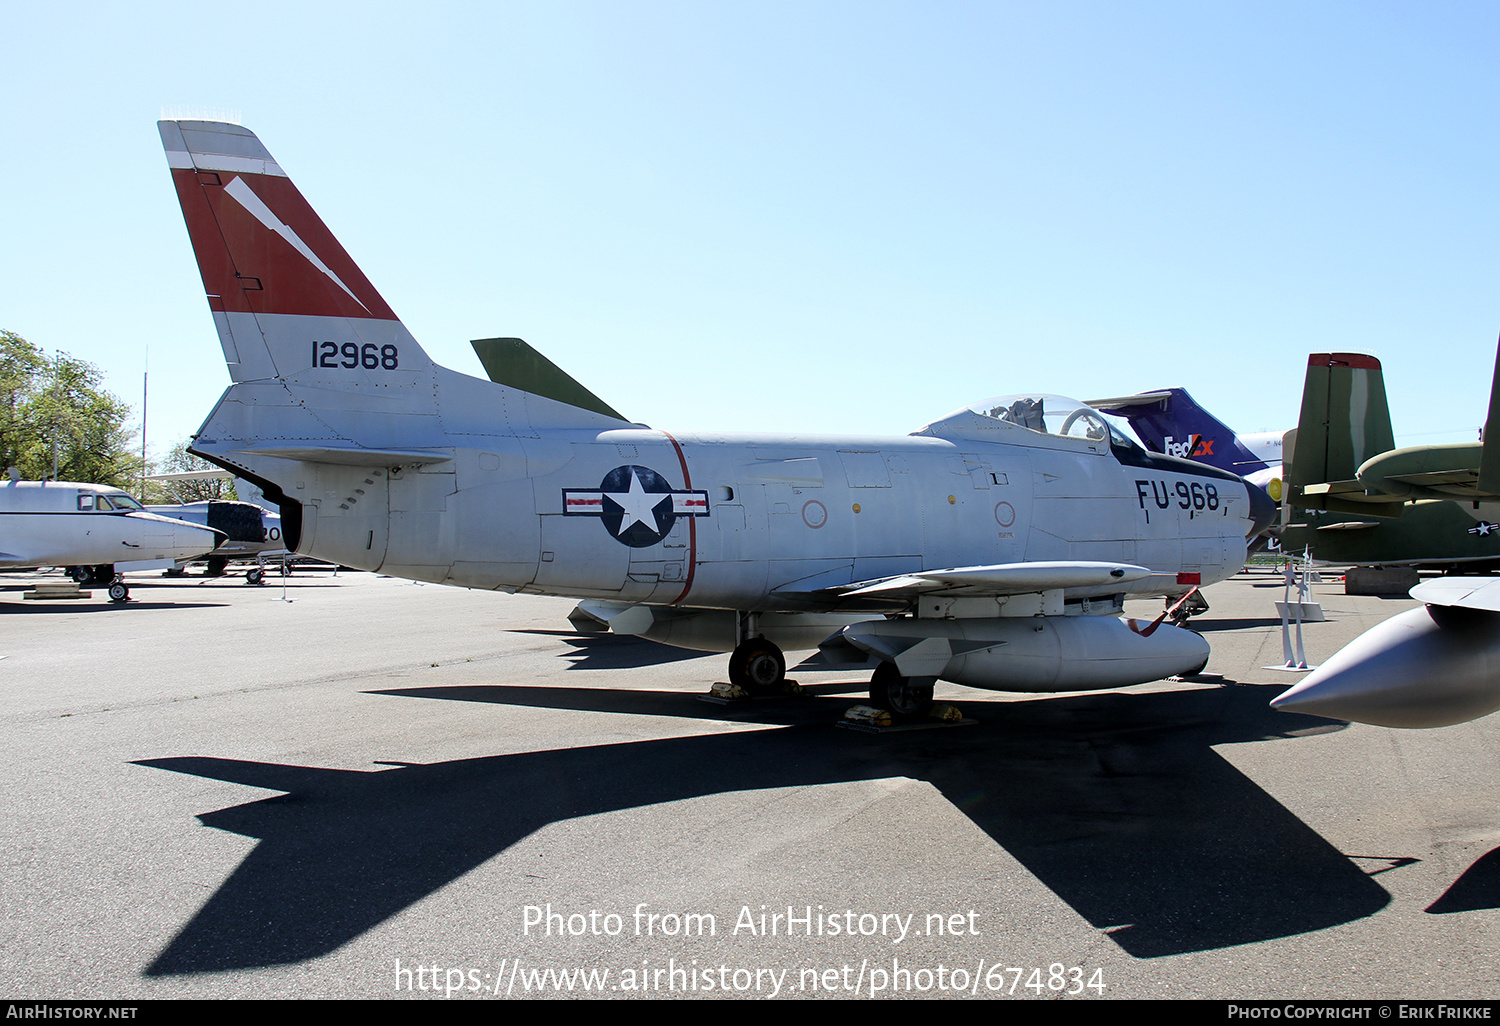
<point x="1344" y="422"/>
<point x="1489" y="461"/>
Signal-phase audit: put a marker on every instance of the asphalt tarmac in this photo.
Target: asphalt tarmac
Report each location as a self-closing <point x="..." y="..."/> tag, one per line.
<point x="369" y="788"/>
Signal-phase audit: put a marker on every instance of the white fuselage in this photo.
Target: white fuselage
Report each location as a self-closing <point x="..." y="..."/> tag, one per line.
<point x="59" y="523"/>
<point x="248" y="529"/>
<point x="761" y="523"/>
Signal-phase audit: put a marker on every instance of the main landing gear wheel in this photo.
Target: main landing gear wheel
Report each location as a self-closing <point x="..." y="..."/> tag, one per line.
<point x="216" y="565"/>
<point x="118" y="592"/>
<point x="905" y="698"/>
<point x="255" y="577"/>
<point x="757" y="666"/>
<point x="92" y="576"/>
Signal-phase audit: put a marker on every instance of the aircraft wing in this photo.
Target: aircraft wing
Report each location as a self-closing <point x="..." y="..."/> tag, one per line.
<point x="1482" y="593"/>
<point x="998" y="580"/>
<point x="349" y="455"/>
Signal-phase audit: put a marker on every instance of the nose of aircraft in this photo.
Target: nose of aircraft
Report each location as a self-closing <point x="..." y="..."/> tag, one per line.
<point x="1263" y="509"/>
<point x="1410" y="671"/>
<point x="190" y="539"/>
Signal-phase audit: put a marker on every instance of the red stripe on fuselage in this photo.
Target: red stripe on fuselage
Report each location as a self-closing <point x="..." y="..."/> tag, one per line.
<point x="687" y="483"/>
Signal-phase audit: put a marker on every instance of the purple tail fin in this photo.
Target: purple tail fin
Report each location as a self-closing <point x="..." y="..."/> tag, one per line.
<point x="1170" y="422"/>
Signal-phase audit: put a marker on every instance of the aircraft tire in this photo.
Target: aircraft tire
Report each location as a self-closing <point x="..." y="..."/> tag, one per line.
<point x="905" y="698"/>
<point x="216" y="565"/>
<point x="118" y="592"/>
<point x="757" y="665"/>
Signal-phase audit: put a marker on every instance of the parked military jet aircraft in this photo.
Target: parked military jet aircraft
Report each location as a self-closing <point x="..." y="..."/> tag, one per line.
<point x="975" y="548"/>
<point x="93" y="528"/>
<point x="1427" y="667"/>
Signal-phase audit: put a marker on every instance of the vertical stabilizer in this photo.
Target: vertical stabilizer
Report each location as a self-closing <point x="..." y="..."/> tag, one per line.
<point x="288" y="301"/>
<point x="335" y="411"/>
<point x="1170" y="421"/>
<point x="1489" y="459"/>
<point x="1344" y="420"/>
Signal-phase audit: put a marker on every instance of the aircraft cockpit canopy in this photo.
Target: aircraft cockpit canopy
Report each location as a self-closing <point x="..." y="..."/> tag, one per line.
<point x="100" y="500"/>
<point x="1052" y="415"/>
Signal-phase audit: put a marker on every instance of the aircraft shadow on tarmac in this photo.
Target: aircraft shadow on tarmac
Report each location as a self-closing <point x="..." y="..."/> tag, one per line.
<point x="614" y="651"/>
<point x="1116" y="802"/>
<point x="1206" y="624"/>
<point x="1478" y="888"/>
<point x="96" y="606"/>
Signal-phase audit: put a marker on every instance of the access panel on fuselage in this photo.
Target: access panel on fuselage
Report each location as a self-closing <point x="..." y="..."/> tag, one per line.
<point x="979" y="512"/>
<point x="346" y="513"/>
<point x="1083" y="508"/>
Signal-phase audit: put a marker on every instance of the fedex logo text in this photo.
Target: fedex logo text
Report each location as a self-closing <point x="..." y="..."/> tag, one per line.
<point x="1194" y="448"/>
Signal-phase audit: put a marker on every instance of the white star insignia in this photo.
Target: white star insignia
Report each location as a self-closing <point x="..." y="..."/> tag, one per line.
<point x="637" y="504"/>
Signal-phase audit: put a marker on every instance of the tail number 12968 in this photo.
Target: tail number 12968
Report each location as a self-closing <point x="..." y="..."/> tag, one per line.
<point x="351" y="355"/>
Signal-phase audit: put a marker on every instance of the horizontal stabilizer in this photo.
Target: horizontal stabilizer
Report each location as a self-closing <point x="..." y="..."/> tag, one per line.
<point x="1119" y="403"/>
<point x="510" y="361"/>
<point x="1170" y="421"/>
<point x="350" y="456"/>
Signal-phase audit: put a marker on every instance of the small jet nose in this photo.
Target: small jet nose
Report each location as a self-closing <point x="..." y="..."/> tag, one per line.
<point x="1263" y="509"/>
<point x="190" y="537"/>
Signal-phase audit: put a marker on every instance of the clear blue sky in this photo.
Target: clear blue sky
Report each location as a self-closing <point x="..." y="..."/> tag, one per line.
<point x="799" y="216"/>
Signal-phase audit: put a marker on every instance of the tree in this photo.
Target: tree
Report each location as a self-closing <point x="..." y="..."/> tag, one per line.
<point x="21" y="368"/>
<point x="53" y="412"/>
<point x="180" y="461"/>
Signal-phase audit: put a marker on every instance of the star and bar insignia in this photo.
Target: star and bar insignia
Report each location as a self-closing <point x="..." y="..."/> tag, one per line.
<point x="636" y="504"/>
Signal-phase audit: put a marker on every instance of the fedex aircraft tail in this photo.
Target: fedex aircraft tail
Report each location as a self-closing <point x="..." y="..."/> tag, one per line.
<point x="331" y="397"/>
<point x="1171" y="422"/>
